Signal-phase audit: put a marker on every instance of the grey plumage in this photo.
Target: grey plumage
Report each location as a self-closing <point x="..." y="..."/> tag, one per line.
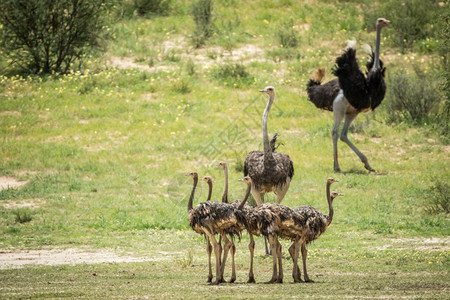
<point x="269" y="170"/>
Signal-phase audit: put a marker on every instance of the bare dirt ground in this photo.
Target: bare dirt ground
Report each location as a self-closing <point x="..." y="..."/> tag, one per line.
<point x="23" y="258"/>
<point x="10" y="182"/>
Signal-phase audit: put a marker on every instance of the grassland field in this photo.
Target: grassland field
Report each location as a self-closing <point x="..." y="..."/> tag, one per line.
<point x="95" y="162"/>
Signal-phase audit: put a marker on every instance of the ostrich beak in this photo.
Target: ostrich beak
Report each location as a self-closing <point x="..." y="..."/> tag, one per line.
<point x="262" y="91"/>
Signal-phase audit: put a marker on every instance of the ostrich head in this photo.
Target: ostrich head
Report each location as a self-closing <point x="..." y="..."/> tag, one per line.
<point x="246" y="180"/>
<point x="269" y="90"/>
<point x="223" y="165"/>
<point x="335" y="194"/>
<point x="381" y="22"/>
<point x="207" y="179"/>
<point x="331" y="180"/>
<point x="192" y="174"/>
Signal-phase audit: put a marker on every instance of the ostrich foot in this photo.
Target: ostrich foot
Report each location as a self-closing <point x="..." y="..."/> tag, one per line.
<point x="273" y="280"/>
<point x="209" y="279"/>
<point x="370" y="169"/>
<point x="233" y="279"/>
<point x="279" y="280"/>
<point x="251" y="280"/>
<point x="217" y="281"/>
<point x="309" y="280"/>
<point x="337" y="169"/>
<point x="298" y="280"/>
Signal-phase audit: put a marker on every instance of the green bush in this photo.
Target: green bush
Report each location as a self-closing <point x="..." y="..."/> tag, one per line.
<point x="287" y="36"/>
<point x="202" y="10"/>
<point x="444" y="50"/>
<point x="44" y="36"/>
<point x="235" y="75"/>
<point x="411" y="20"/>
<point x="438" y="198"/>
<point x="148" y="7"/>
<point x="410" y="98"/>
<point x="22" y="215"/>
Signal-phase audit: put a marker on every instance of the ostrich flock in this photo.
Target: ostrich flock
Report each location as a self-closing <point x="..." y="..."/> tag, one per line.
<point x="268" y="171"/>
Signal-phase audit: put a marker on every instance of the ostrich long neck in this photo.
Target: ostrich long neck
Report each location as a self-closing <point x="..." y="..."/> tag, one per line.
<point x="247" y="194"/>
<point x="330" y="204"/>
<point x="376" y="64"/>
<point x="191" y="199"/>
<point x="225" y="189"/>
<point x="209" y="190"/>
<point x="267" y="148"/>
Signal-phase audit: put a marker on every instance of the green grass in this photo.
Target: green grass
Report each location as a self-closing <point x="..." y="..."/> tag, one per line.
<point x="105" y="152"/>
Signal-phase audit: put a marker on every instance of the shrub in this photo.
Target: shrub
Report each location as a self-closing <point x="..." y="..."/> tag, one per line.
<point x="438" y="198"/>
<point x="42" y="36"/>
<point x="182" y="86"/>
<point x="444" y="50"/>
<point x="232" y="75"/>
<point x="204" y="25"/>
<point x="412" y="20"/>
<point x="410" y="97"/>
<point x="22" y="215"/>
<point x="227" y="36"/>
<point x="287" y="36"/>
<point x="147" y="7"/>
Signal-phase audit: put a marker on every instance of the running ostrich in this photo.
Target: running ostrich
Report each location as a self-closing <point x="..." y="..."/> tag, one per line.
<point x="269" y="170"/>
<point x="351" y="93"/>
<point x="315" y="224"/>
<point x="210" y="218"/>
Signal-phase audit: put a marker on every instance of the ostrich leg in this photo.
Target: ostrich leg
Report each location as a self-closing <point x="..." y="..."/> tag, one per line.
<point x="251" y="247"/>
<point x="339" y="113"/>
<point x="233" y="266"/>
<point x="280" y="263"/>
<point x="273" y="246"/>
<point x="304" y="255"/>
<point x="209" y="251"/>
<point x="227" y="245"/>
<point x="293" y="251"/>
<point x="281" y="192"/>
<point x="217" y="252"/>
<point x="348" y="120"/>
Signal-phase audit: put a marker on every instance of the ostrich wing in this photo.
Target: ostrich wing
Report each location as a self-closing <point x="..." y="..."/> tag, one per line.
<point x="323" y="95"/>
<point x="352" y="80"/>
<point x="273" y="174"/>
<point x="377" y="87"/>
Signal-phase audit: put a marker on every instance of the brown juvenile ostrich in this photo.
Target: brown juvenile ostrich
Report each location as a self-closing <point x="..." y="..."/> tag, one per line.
<point x="269" y="170"/>
<point x="350" y="93"/>
<point x="315" y="224"/>
<point x="208" y="180"/>
<point x="271" y="220"/>
<point x="210" y="218"/>
<point x="244" y="215"/>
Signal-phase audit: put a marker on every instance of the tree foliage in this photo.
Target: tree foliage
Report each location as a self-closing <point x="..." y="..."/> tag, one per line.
<point x="44" y="36"/>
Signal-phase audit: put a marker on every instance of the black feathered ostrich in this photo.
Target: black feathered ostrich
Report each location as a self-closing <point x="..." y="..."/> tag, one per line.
<point x="269" y="170"/>
<point x="351" y="93"/>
